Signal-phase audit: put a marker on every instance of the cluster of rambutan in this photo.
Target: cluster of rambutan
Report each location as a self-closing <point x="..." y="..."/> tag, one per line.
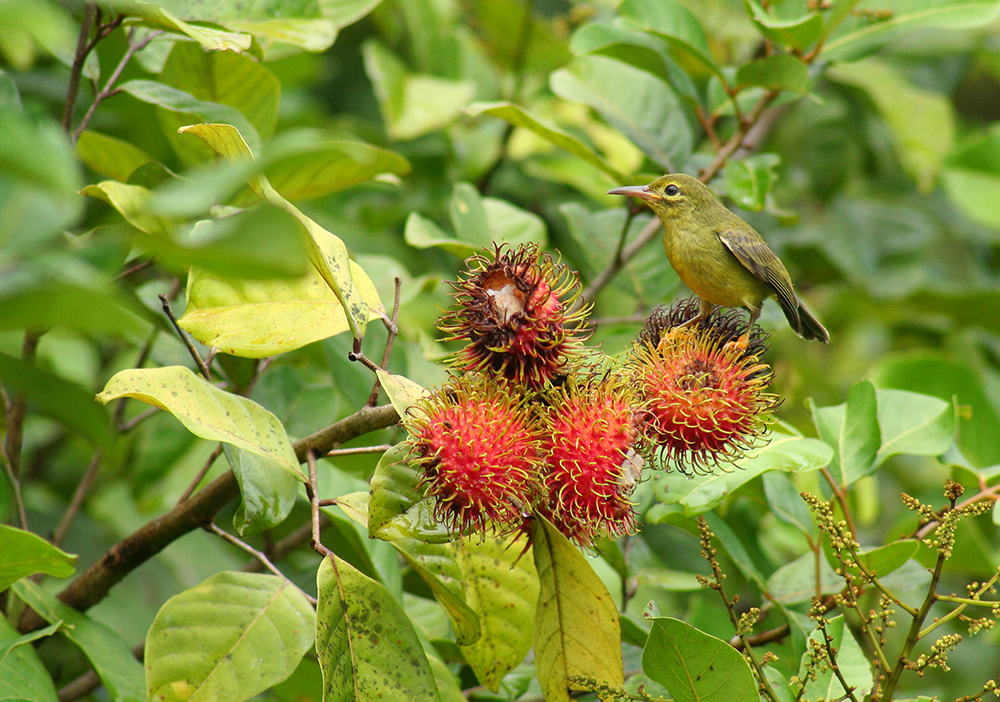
<point x="533" y="422"/>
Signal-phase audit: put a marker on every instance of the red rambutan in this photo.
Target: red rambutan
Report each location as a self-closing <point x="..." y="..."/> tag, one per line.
<point x="515" y="310"/>
<point x="701" y="396"/>
<point x="590" y="467"/>
<point x="479" y="452"/>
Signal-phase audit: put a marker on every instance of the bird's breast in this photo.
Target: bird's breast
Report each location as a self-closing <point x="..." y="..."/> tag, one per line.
<point x="706" y="266"/>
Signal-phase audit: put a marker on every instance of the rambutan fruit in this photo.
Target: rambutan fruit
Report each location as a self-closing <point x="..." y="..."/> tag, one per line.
<point x="702" y="399"/>
<point x="479" y="451"/>
<point x="517" y="311"/>
<point x="590" y="467"/>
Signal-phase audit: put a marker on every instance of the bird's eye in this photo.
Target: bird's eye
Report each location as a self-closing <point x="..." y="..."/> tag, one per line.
<point x="671" y="190"/>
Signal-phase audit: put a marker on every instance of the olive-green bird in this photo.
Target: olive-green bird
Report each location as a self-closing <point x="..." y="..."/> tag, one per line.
<point x="718" y="255"/>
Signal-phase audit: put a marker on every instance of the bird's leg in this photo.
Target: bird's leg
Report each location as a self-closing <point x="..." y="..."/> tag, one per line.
<point x="705" y="309"/>
<point x="744" y="340"/>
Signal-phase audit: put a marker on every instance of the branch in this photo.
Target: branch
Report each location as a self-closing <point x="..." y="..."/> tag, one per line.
<point x="16" y="411"/>
<point x="91" y="586"/>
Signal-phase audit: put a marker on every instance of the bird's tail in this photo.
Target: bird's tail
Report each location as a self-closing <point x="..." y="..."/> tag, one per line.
<point x="805" y="324"/>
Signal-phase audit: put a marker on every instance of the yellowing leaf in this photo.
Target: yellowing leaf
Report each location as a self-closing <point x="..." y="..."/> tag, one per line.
<point x="327" y="252"/>
<point x="132" y="202"/>
<point x="577" y="630"/>
<point x="259" y="318"/>
<point x="402" y="392"/>
<point x="207" y="411"/>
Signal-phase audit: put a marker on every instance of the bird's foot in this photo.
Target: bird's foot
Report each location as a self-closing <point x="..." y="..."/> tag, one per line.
<point x="739" y="344"/>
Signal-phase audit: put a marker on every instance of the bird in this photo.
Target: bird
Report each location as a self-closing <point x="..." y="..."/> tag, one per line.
<point x="720" y="257"/>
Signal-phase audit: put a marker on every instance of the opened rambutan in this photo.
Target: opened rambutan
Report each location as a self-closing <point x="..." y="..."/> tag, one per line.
<point x="480" y="454"/>
<point x="702" y="398"/>
<point x="517" y="310"/>
<point x="590" y="467"/>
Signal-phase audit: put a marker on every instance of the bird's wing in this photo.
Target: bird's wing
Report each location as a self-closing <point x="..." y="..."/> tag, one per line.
<point x="755" y="255"/>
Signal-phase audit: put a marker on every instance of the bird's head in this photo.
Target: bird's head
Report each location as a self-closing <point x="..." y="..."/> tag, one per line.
<point x="671" y="196"/>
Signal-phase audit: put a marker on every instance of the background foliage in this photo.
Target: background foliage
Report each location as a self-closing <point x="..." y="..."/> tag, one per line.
<point x="862" y="139"/>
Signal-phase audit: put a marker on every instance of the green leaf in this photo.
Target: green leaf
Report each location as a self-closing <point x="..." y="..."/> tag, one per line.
<point x="678" y="26"/>
<point x="260" y="318"/>
<point x="58" y="398"/>
<point x="501" y="587"/>
<point x="577" y="631"/>
<point x="260" y="243"/>
<point x="971" y="175"/>
<point x="275" y="25"/>
<point x="468" y="215"/>
<point x="402" y="392"/>
<point x="208" y="412"/>
<point x="327" y="252"/>
<point x="22" y="674"/>
<point x="646" y="51"/>
<point x="393" y="488"/>
<point x="882" y="560"/>
<point x="749" y="180"/>
<point x="510" y="223"/>
<point x="853" y="432"/>
<point x="796" y="33"/>
<point x="319" y="167"/>
<point x="235" y="81"/>
<point x="777" y="72"/>
<point x="9" y="644"/>
<point x="643" y="108"/>
<point x="107" y="651"/>
<point x="851" y="660"/>
<point x="796" y="581"/>
<point x="25" y="554"/>
<point x="537" y="47"/>
<point x="907" y="422"/>
<point x="109" y="156"/>
<point x="268" y="494"/>
<point x="210" y="38"/>
<point x="412" y="104"/>
<point x="951" y="380"/>
<point x="785" y="502"/>
<point x="52" y="303"/>
<point x="861" y="35"/>
<point x="39" y="179"/>
<point x="175" y="100"/>
<point x="694" y="666"/>
<point x="921" y="121"/>
<point x="227" y="639"/>
<point x="913" y="424"/>
<point x="421" y="233"/>
<point x="516" y="116"/>
<point x="367" y="646"/>
<point x="703" y="492"/>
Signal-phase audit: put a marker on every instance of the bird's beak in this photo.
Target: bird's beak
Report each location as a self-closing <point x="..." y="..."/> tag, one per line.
<point x="640" y="191"/>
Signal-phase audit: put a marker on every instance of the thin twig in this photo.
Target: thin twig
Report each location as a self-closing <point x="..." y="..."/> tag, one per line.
<point x="381" y="448"/>
<point x="288" y="544"/>
<point x="79" y="495"/>
<point x="647" y="234"/>
<point x="244" y="546"/>
<point x="16" y="411"/>
<point x="314" y="504"/>
<point x="202" y="366"/>
<point x="83" y="47"/>
<point x="392" y="327"/>
<point x="126" y="427"/>
<point x="201" y="474"/>
<point x="108" y="90"/>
